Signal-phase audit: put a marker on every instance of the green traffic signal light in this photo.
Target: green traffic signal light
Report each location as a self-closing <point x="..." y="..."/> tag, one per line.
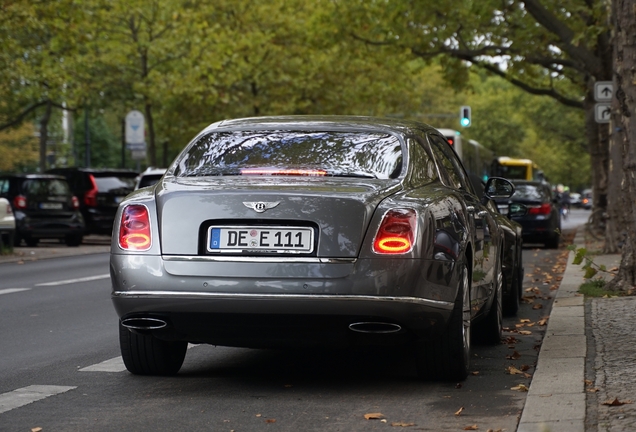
<point x="464" y="116"/>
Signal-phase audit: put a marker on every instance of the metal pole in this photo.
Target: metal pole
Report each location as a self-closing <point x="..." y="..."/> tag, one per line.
<point x="87" y="140"/>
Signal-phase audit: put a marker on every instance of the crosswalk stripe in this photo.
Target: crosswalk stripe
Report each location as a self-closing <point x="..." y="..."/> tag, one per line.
<point x="12" y="290"/>
<point x="26" y="395"/>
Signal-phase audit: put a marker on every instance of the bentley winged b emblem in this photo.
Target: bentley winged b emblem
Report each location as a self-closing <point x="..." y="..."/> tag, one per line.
<point x="260" y="206"/>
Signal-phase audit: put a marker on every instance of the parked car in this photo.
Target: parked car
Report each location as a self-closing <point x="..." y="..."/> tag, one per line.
<point x="100" y="190"/>
<point x="309" y="231"/>
<point x="575" y="200"/>
<point x="149" y="177"/>
<point x="586" y="199"/>
<point x="7" y="225"/>
<point x="512" y="246"/>
<point x="542" y="221"/>
<point x="44" y="207"/>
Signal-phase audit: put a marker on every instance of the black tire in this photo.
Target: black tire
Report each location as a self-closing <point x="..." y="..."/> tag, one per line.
<point x="511" y="302"/>
<point x="448" y="357"/>
<point x="144" y="354"/>
<point x="490" y="329"/>
<point x="74" y="240"/>
<point x="17" y="240"/>
<point x="31" y="242"/>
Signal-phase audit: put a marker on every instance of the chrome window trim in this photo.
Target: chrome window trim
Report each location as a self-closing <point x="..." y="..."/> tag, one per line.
<point x="249" y="296"/>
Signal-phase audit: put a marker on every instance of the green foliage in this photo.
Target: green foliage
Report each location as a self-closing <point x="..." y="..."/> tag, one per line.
<point x="585" y="259"/>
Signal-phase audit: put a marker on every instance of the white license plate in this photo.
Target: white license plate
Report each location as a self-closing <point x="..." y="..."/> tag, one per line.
<point x="51" y="206"/>
<point x="261" y="239"/>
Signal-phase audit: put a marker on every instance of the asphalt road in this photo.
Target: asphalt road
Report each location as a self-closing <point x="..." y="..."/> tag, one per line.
<point x="59" y="351"/>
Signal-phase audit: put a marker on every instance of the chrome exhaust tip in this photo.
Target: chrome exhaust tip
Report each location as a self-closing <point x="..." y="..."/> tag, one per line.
<point x="374" y="327"/>
<point x="144" y="323"/>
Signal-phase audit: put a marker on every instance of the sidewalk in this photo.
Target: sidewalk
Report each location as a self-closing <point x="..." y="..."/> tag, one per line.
<point x="53" y="249"/>
<point x="587" y="359"/>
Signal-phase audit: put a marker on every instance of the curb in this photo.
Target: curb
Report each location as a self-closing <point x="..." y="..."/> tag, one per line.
<point x="556" y="399"/>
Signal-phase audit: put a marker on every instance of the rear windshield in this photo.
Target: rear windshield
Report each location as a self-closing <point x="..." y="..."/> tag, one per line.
<point x="46" y="187"/>
<point x="149" y="180"/>
<point x="114" y="184"/>
<point x="345" y="154"/>
<point x="531" y="192"/>
<point x="513" y="171"/>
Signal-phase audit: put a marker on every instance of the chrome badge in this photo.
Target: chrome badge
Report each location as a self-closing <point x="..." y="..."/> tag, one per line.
<point x="260" y="206"/>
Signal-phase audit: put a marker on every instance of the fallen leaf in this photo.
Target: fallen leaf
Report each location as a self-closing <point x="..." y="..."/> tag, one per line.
<point x="258" y="415"/>
<point x="36" y="429"/>
<point x="524" y="367"/>
<point x="475" y="373"/>
<point x="543" y="322"/>
<point x="592" y="390"/>
<point x="495" y="430"/>
<point x="588" y="382"/>
<point x="473" y="427"/>
<point x="537" y="306"/>
<point x="459" y="411"/>
<point x="525" y="332"/>
<point x="514" y="356"/>
<point x="270" y="421"/>
<point x="402" y="424"/>
<point x="616" y="402"/>
<point x="520" y="387"/>
<point x="524" y="320"/>
<point x="374" y="416"/>
<point x="514" y="371"/>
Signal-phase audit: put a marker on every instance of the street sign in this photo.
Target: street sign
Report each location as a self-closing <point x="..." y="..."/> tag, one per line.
<point x="602" y="112"/>
<point x="138" y="154"/>
<point x="135" y="131"/>
<point x="603" y="91"/>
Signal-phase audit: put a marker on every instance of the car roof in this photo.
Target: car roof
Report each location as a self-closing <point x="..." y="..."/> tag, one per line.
<point x="308" y="122"/>
<point x="34" y="176"/>
<point x="96" y="170"/>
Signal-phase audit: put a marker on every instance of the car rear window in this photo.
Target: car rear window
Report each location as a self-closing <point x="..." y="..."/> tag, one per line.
<point x="112" y="183"/>
<point x="531" y="192"/>
<point x="346" y="154"/>
<point x="46" y="187"/>
<point x="149" y="180"/>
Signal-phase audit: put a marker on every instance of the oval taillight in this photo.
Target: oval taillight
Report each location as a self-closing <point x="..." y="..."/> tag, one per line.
<point x="134" y="228"/>
<point x="396" y="234"/>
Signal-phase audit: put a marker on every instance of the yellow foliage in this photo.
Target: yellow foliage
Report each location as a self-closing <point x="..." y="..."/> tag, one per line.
<point x="18" y="147"/>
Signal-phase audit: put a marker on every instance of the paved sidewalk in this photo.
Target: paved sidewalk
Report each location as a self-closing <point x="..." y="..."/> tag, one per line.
<point x="560" y="399"/>
<point x="54" y="249"/>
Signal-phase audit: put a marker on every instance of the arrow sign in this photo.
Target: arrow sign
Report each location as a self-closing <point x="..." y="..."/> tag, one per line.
<point x="603" y="91"/>
<point x="135" y="133"/>
<point x="602" y="112"/>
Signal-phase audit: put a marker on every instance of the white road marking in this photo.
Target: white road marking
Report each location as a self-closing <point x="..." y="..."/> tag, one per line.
<point x="26" y="395"/>
<point x="113" y="365"/>
<point x="12" y="290"/>
<point x="70" y="281"/>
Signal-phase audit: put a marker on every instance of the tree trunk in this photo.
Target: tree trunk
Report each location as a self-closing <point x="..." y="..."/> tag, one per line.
<point x="152" y="149"/>
<point x="597" y="142"/>
<point x="624" y="19"/>
<point x="44" y="135"/>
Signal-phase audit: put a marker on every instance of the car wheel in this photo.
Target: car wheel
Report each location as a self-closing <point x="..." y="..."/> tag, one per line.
<point x="74" y="240"/>
<point x="553" y="242"/>
<point x="490" y="329"/>
<point x="512" y="301"/>
<point x="448" y="356"/>
<point x="144" y="354"/>
<point x="31" y="242"/>
<point x="17" y="240"/>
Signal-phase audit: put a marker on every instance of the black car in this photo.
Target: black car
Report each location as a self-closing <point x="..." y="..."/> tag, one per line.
<point x="100" y="191"/>
<point x="44" y="207"/>
<point x="542" y="221"/>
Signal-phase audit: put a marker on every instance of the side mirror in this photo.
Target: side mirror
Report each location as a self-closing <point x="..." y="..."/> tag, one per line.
<point x="498" y="188"/>
<point x="517" y="210"/>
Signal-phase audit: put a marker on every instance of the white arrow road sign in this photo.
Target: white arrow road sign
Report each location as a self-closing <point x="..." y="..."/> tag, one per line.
<point x="602" y="112"/>
<point x="603" y="91"/>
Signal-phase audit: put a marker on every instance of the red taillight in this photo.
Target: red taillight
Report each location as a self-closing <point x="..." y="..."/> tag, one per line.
<point x="134" y="230"/>
<point x="75" y="202"/>
<point x="90" y="197"/>
<point x="283" y="172"/>
<point x="543" y="209"/>
<point x="20" y="202"/>
<point x="396" y="234"/>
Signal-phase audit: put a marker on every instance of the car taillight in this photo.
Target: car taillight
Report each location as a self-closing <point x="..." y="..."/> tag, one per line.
<point x="20" y="202"/>
<point x="396" y="234"/>
<point x="90" y="197"/>
<point x="134" y="230"/>
<point x="9" y="210"/>
<point x="75" y="202"/>
<point x="543" y="209"/>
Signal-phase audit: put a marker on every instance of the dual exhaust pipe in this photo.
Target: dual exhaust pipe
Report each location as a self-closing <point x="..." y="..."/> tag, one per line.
<point x="369" y="327"/>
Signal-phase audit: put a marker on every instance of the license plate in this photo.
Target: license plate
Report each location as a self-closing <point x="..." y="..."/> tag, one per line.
<point x="261" y="239"/>
<point x="51" y="206"/>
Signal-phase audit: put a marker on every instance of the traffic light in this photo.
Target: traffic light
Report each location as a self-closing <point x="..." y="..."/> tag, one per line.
<point x="464" y="116"/>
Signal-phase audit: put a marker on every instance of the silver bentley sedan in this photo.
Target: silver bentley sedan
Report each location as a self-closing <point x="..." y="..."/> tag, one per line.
<point x="310" y="231"/>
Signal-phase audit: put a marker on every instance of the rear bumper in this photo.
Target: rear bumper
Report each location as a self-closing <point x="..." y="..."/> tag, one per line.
<point x="49" y="227"/>
<point x="279" y="304"/>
